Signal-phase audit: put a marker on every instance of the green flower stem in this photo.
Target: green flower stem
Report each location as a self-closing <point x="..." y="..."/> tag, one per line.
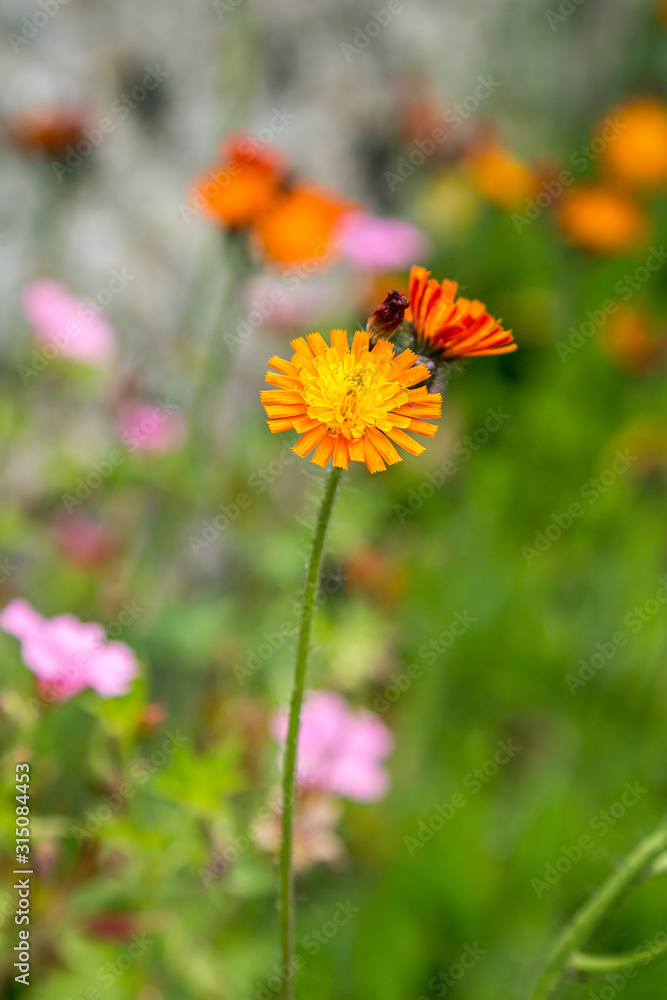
<point x="657" y="868"/>
<point x="286" y="878"/>
<point x="597" y="966"/>
<point x="562" y="957"/>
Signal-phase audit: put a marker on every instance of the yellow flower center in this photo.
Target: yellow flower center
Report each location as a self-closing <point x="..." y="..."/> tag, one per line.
<point x="351" y="395"/>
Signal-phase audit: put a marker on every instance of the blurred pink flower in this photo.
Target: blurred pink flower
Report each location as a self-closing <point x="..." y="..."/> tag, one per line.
<point x="151" y="428"/>
<point x="340" y="751"/>
<point x="74" y="329"/>
<point x="68" y="655"/>
<point x="375" y="244"/>
<point x="83" y="539"/>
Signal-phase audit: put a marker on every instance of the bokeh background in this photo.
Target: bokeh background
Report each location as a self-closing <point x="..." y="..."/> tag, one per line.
<point x="199" y="583"/>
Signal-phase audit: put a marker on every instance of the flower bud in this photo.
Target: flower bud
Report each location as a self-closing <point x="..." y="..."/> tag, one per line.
<point x="388" y="316"/>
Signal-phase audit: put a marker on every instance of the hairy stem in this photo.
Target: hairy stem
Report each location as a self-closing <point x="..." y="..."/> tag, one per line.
<point x="286" y="877"/>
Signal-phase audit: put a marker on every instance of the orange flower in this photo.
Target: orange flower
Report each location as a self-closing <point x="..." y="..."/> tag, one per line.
<point x="501" y="177"/>
<point x="601" y="219"/>
<point x="628" y="340"/>
<point x="47" y="132"/>
<point x="447" y="328"/>
<point x="243" y="187"/>
<point x="298" y="225"/>
<point x="350" y="404"/>
<point x="638" y="154"/>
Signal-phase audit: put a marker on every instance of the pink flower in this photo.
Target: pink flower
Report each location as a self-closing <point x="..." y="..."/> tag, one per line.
<point x="375" y="244"/>
<point x="340" y="751"/>
<point x="84" y="540"/>
<point x="68" y="655"/>
<point x="69" y="326"/>
<point x="150" y="428"/>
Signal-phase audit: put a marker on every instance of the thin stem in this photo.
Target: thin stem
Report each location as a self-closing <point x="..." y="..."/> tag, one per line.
<point x="591" y="914"/>
<point x="286" y="877"/>
<point x="597" y="966"/>
<point x="657" y="868"/>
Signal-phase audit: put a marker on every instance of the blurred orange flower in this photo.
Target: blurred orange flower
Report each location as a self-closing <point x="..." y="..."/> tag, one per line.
<point x="645" y="438"/>
<point x="447" y="328"/>
<point x="601" y="219"/>
<point x="628" y="340"/>
<point x="370" y="570"/>
<point x="502" y="177"/>
<point x="243" y="187"/>
<point x="46" y="131"/>
<point x="638" y="154"/>
<point x="297" y="225"/>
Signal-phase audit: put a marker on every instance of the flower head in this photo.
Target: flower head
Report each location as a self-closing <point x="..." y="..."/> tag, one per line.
<point x="242" y="188"/>
<point x="340" y="751"/>
<point x="637" y="155"/>
<point x="501" y="177"/>
<point x="66" y="325"/>
<point x="47" y="131"/>
<point x="447" y="327"/>
<point x="350" y="404"/>
<point x="601" y="219"/>
<point x="298" y="225"/>
<point x="630" y="340"/>
<point x="68" y="655"/>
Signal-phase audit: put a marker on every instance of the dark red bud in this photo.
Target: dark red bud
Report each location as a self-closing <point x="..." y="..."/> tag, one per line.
<point x="387" y="317"/>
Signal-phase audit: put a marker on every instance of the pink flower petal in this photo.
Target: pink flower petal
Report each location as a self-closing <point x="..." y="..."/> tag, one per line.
<point x="66" y="654"/>
<point x="376" y="244"/>
<point x="150" y="428"/>
<point x="72" y="328"/>
<point x="340" y="751"/>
